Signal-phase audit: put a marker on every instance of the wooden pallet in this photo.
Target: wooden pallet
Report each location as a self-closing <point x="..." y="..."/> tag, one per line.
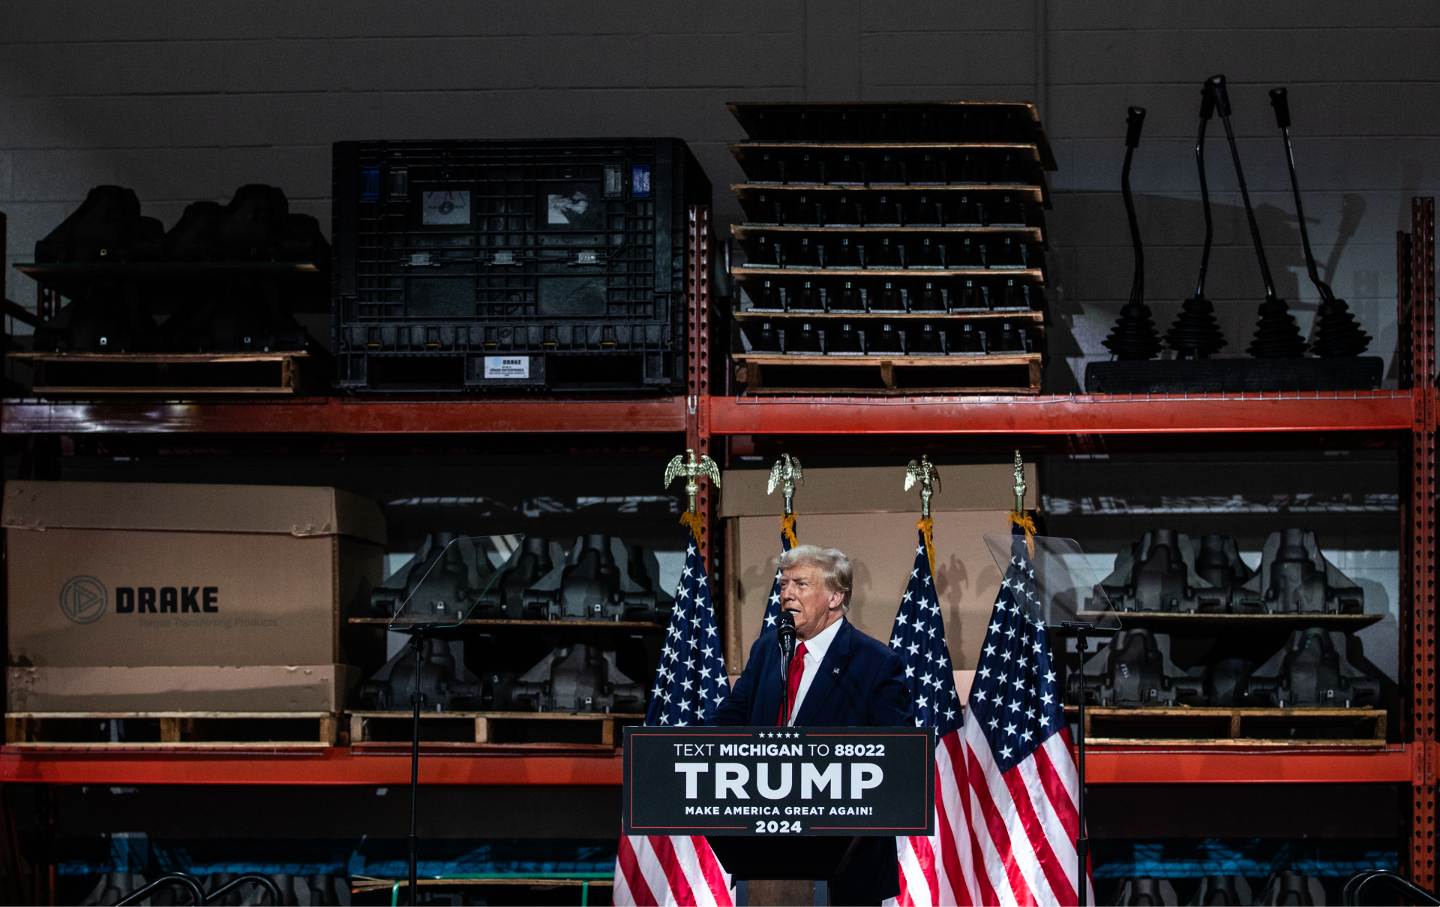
<point x="1206" y="726"/>
<point x="462" y="729"/>
<point x="1001" y="373"/>
<point x="169" y="730"/>
<point x="208" y="374"/>
<point x="953" y="316"/>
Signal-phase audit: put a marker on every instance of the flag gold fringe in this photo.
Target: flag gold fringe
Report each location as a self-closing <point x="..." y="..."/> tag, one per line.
<point x="927" y="531"/>
<point x="787" y="529"/>
<point x="692" y="520"/>
<point x="1027" y="522"/>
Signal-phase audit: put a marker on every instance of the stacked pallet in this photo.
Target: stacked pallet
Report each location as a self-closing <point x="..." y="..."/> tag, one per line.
<point x="891" y="247"/>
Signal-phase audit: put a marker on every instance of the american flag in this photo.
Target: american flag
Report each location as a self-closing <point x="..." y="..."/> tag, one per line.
<point x="935" y="869"/>
<point x="1022" y="781"/>
<point x="689" y="685"/>
<point x="772" y="606"/>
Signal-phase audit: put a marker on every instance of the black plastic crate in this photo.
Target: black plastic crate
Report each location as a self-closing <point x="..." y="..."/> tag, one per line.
<point x="568" y="250"/>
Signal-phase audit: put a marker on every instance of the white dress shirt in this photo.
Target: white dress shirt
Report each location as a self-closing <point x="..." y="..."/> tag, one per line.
<point x="815" y="650"/>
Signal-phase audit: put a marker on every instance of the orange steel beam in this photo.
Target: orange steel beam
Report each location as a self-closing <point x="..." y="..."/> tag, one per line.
<point x="697" y="377"/>
<point x="1421" y="538"/>
<point x="343" y="766"/>
<point x="347" y="416"/>
<point x="331" y="766"/>
<point x="1178" y="765"/>
<point x="1383" y="410"/>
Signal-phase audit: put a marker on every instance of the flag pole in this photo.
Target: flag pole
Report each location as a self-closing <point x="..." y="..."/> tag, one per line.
<point x="1080" y="628"/>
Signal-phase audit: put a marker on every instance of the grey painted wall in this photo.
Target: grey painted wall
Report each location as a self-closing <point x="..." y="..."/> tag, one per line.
<point x="186" y="100"/>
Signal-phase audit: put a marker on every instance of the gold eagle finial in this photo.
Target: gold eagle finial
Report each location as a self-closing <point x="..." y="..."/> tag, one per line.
<point x="784" y="474"/>
<point x="922" y="473"/>
<point x="691" y="468"/>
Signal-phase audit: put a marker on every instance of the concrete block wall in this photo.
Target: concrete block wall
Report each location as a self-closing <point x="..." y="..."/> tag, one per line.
<point x="185" y="100"/>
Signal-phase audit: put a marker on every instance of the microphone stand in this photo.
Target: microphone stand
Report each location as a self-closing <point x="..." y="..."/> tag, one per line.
<point x="785" y="686"/>
<point x="417" y="645"/>
<point x="785" y="633"/>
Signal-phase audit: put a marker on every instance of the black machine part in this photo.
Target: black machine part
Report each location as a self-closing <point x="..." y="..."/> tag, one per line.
<point x="1227" y="682"/>
<point x="253" y="223"/>
<point x="1217" y="562"/>
<point x="1222" y="891"/>
<point x="1276" y="335"/>
<point x="1337" y="333"/>
<point x="1295" y="577"/>
<point x="1291" y="888"/>
<point x="1221" y="95"/>
<point x="1135" y="671"/>
<point x="1207" y="110"/>
<point x="1146" y="892"/>
<point x="1195" y="333"/>
<point x="1133" y="337"/>
<point x="112" y="316"/>
<point x="577" y="678"/>
<point x="1314" y="671"/>
<point x="1168" y="571"/>
<point x="247" y="314"/>
<point x="444" y="682"/>
<point x="598" y="581"/>
<point x="195" y="236"/>
<point x="107" y="227"/>
<point x="508" y="595"/>
<point x="442" y="580"/>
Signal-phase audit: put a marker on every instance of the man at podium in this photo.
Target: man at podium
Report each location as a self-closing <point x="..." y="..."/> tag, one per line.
<point x="838" y="676"/>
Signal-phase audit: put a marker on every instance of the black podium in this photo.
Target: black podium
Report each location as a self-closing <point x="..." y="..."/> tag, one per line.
<point x="785" y="805"/>
<point x="784" y="873"/>
<point x="796" y="858"/>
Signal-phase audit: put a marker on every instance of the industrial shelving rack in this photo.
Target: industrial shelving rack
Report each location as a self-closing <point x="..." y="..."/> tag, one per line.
<point x="1405" y="418"/>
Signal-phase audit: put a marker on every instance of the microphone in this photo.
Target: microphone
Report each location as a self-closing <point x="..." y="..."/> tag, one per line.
<point x="786" y="633"/>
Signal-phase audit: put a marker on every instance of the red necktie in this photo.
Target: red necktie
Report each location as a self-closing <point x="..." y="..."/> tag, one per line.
<point x="792" y="682"/>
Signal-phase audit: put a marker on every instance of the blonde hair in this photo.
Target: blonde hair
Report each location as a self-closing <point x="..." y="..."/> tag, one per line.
<point x="833" y="564"/>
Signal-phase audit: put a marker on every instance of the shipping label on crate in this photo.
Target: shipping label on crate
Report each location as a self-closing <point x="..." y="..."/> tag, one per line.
<point x="507" y="367"/>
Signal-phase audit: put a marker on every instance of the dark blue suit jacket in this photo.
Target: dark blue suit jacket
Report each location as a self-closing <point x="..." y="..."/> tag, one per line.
<point x="861" y="683"/>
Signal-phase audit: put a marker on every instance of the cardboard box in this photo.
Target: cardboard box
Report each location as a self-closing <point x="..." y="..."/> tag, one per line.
<point x="239" y="688"/>
<point x="158" y="595"/>
<point x="866" y="513"/>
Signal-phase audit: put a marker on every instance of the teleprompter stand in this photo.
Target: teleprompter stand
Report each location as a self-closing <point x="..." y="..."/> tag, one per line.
<point x="434" y="606"/>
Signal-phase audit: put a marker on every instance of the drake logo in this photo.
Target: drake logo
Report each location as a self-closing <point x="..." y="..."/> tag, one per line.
<point x="83" y="599"/>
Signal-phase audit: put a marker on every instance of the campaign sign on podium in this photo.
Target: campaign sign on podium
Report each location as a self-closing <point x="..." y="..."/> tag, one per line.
<point x="850" y="781"/>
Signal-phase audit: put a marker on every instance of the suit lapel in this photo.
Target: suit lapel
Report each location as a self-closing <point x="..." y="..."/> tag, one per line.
<point x="767" y="697"/>
<point x="827" y="680"/>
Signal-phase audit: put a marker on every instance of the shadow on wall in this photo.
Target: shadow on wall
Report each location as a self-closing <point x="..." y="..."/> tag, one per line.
<point x="1091" y="264"/>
